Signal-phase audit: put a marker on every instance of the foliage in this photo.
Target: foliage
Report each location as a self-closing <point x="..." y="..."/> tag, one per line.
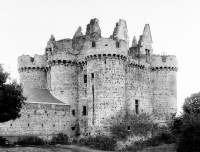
<point x="11" y="98"/>
<point x="192" y="104"/>
<point x="100" y="142"/>
<point x="138" y="124"/>
<point x="159" y="139"/>
<point x="30" y="140"/>
<point x="60" y="139"/>
<point x="187" y="127"/>
<point x="189" y="137"/>
<point x="3" y="141"/>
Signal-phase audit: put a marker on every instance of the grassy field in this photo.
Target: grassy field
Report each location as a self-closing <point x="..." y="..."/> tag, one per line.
<point x="71" y="148"/>
<point x="163" y="148"/>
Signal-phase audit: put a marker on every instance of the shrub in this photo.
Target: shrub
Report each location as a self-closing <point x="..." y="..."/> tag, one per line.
<point x="100" y="142"/>
<point x="189" y="137"/>
<point x="165" y="137"/>
<point x="60" y="139"/>
<point x="30" y="140"/>
<point x="138" y="124"/>
<point x="3" y="141"/>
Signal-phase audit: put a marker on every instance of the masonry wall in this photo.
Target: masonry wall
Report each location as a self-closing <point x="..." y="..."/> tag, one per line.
<point x="33" y="78"/>
<point x="138" y="87"/>
<point x="39" y="119"/>
<point x="105" y="92"/>
<point x="164" y="94"/>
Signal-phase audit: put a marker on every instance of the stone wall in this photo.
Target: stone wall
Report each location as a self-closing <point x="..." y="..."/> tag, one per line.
<point x="33" y="78"/>
<point x="39" y="119"/>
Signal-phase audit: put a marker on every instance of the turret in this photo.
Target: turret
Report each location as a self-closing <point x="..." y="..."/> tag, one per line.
<point x="102" y="83"/>
<point x="164" y="69"/>
<point x="32" y="71"/>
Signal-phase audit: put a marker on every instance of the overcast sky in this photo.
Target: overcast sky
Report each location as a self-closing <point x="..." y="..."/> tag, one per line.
<point x="26" y="26"/>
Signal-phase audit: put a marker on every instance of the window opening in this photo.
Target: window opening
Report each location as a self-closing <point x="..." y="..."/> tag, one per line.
<point x="85" y="78"/>
<point x="136" y="106"/>
<point x="93" y="44"/>
<point x="84" y="110"/>
<point x="73" y="128"/>
<point x="92" y="74"/>
<point x="128" y="128"/>
<point x="117" y="44"/>
<point x="73" y="112"/>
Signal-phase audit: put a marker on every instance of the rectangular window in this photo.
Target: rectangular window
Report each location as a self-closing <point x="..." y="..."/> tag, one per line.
<point x="85" y="78"/>
<point x="92" y="74"/>
<point x="73" y="128"/>
<point x="84" y="110"/>
<point x="93" y="44"/>
<point x="128" y="128"/>
<point x="73" y="112"/>
<point x="136" y="106"/>
<point x="117" y="44"/>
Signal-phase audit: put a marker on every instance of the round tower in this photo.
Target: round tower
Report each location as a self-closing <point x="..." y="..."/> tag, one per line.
<point x="32" y="71"/>
<point x="102" y="80"/>
<point x="164" y="69"/>
<point x="62" y="71"/>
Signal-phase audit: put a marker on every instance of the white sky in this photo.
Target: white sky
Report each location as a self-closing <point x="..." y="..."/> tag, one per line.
<point x="26" y="26"/>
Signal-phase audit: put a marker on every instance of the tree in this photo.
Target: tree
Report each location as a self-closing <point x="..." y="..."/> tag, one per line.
<point x="188" y="125"/>
<point x="192" y="104"/>
<point x="11" y="98"/>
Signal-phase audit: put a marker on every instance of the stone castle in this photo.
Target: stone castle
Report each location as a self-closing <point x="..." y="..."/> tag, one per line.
<point x="85" y="83"/>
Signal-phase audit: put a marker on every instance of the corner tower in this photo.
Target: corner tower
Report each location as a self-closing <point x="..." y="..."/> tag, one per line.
<point x="32" y="71"/>
<point x="104" y="79"/>
<point x="164" y="69"/>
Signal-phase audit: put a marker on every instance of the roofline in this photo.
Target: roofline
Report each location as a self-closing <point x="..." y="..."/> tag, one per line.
<point x="49" y="103"/>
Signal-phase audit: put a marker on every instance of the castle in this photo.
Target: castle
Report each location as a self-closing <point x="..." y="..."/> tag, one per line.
<point x="85" y="83"/>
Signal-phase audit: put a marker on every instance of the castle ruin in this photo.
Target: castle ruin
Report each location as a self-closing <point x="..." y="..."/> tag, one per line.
<point x="85" y="83"/>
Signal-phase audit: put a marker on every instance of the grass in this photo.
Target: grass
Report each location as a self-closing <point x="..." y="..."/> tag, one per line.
<point x="162" y="148"/>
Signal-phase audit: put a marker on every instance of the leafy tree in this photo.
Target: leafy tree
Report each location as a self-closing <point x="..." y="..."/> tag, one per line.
<point x="187" y="127"/>
<point x="11" y="98"/>
<point x="192" y="104"/>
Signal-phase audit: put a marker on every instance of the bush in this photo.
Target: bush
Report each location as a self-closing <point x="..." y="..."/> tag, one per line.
<point x="100" y="142"/>
<point x="60" y="139"/>
<point x="30" y="140"/>
<point x="165" y="137"/>
<point x="189" y="137"/>
<point x="3" y="142"/>
<point x="138" y="124"/>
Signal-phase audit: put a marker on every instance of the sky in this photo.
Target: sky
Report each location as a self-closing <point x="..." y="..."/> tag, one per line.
<point x="26" y="26"/>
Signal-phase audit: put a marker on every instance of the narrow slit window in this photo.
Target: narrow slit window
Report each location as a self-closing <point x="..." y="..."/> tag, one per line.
<point x="85" y="78"/>
<point x="84" y="110"/>
<point x="128" y="128"/>
<point x="136" y="106"/>
<point x="93" y="44"/>
<point x="92" y="74"/>
<point x="73" y="112"/>
<point x="117" y="44"/>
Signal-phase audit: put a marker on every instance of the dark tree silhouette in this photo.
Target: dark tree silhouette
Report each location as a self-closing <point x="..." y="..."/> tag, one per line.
<point x="11" y="98"/>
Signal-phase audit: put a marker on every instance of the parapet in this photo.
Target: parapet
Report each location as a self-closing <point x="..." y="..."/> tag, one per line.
<point x="103" y="46"/>
<point x="164" y="61"/>
<point x="30" y="62"/>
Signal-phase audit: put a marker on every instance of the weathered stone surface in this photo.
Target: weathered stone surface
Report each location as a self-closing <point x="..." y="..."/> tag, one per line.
<point x="78" y="33"/>
<point x="93" y="28"/>
<point x="121" y="31"/>
<point x="101" y="79"/>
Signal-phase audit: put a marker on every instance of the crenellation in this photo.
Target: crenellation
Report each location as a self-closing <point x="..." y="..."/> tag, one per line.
<point x="88" y="83"/>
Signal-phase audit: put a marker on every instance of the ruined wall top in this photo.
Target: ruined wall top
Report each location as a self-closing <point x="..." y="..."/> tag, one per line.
<point x="28" y="61"/>
<point x="121" y="32"/>
<point x="93" y="28"/>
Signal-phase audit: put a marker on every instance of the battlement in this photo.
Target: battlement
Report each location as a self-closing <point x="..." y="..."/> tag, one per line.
<point x="164" y="61"/>
<point x="26" y="61"/>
